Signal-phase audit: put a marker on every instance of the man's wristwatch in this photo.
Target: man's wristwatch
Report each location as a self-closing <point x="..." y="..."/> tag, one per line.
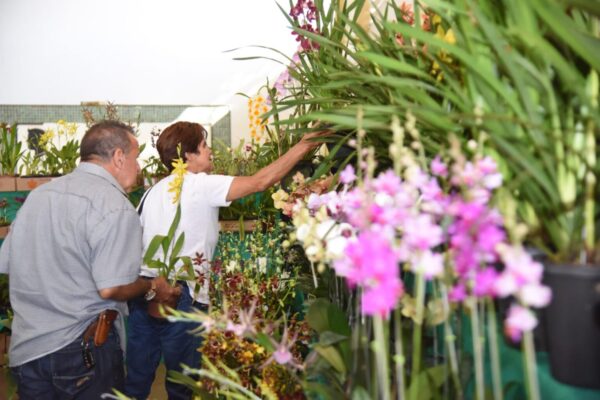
<point x="150" y="294"/>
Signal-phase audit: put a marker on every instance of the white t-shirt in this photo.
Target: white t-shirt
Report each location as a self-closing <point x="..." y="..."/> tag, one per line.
<point x="201" y="197"/>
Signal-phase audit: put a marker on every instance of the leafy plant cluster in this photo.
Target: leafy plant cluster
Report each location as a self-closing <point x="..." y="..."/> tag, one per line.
<point x="523" y="74"/>
<point x="243" y="160"/>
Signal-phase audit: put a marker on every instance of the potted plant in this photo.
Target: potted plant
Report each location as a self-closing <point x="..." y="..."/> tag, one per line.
<point x="10" y="153"/>
<point x="546" y="136"/>
<point x="244" y="159"/>
<point x="523" y="77"/>
<point x="253" y="310"/>
<point x="58" y="155"/>
<point x="4" y="221"/>
<point x="153" y="171"/>
<point x="241" y="215"/>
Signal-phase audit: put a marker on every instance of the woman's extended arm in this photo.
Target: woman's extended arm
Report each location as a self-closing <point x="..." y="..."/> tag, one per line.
<point x="265" y="178"/>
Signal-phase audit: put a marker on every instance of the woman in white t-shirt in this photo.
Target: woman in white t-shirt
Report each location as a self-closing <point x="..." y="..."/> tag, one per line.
<point x="201" y="196"/>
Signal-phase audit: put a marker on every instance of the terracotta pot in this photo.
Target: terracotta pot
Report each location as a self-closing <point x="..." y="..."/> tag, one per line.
<point x="7" y="183"/>
<point x="4" y="344"/>
<point x="4" y="231"/>
<point x="154" y="308"/>
<point x="30" y="183"/>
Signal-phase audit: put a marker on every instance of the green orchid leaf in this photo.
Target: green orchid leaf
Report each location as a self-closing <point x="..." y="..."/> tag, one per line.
<point x="332" y="356"/>
<point x="153" y="247"/>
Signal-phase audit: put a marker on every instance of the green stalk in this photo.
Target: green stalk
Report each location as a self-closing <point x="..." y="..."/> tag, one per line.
<point x="225" y="382"/>
<point x="314" y="274"/>
<point x="494" y="353"/>
<point x="533" y="389"/>
<point x="417" y="337"/>
<point x="380" y="347"/>
<point x="590" y="159"/>
<point x="399" y="356"/>
<point x="477" y="349"/>
<point x="450" y="340"/>
<point x="355" y="338"/>
<point x="366" y="329"/>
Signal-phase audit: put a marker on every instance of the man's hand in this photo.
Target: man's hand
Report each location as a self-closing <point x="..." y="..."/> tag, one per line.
<point x="164" y="291"/>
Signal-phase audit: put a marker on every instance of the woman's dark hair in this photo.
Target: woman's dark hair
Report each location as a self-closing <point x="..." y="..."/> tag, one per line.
<point x="187" y="134"/>
<point x="104" y="138"/>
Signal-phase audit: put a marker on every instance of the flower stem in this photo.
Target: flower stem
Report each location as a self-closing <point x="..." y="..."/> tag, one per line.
<point x="417" y="337"/>
<point x="314" y="274"/>
<point x="530" y="367"/>
<point x="477" y="349"/>
<point x="590" y="190"/>
<point x="399" y="356"/>
<point x="494" y="353"/>
<point x="380" y="348"/>
<point x="450" y="340"/>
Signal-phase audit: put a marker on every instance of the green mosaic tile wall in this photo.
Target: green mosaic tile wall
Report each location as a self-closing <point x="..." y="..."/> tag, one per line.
<point x="36" y="114"/>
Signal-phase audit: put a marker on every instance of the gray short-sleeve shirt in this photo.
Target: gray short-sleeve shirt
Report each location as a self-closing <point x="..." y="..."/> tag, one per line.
<point x="72" y="237"/>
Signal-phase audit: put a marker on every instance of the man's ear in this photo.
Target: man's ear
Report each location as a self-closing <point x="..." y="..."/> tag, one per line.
<point x="118" y="158"/>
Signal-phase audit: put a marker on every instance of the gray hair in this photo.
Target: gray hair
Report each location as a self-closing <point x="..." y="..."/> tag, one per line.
<point x="104" y="138"/>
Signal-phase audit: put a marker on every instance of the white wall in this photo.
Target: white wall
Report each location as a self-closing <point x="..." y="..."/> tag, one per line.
<point x="139" y="52"/>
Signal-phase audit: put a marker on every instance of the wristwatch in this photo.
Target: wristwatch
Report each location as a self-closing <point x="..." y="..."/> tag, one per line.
<point x="150" y="294"/>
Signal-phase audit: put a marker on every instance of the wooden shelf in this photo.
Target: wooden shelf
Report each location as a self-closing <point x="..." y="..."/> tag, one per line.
<point x="234" y="226"/>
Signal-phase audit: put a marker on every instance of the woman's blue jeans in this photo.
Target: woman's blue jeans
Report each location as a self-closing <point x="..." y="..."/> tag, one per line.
<point x="63" y="374"/>
<point x="149" y="339"/>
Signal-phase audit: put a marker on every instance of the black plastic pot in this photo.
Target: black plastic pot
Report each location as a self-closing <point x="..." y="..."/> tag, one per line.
<point x="342" y="153"/>
<point x="573" y="324"/>
<point x="305" y="167"/>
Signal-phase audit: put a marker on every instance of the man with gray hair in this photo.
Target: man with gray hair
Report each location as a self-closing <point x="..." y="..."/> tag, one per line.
<point x="73" y="257"/>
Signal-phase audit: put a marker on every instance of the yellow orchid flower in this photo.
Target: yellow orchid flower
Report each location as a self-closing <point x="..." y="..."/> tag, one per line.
<point x="179" y="170"/>
<point x="71" y="129"/>
<point x="256" y="107"/>
<point x="449" y="37"/>
<point x="279" y="198"/>
<point x="46" y="137"/>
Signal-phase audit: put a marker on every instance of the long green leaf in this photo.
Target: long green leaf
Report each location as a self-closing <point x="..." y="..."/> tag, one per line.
<point x="395" y="65"/>
<point x="177" y="247"/>
<point x="153" y="248"/>
<point x="582" y="43"/>
<point x="174" y="224"/>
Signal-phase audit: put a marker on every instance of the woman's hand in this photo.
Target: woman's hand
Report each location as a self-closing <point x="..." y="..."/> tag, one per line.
<point x="311" y="140"/>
